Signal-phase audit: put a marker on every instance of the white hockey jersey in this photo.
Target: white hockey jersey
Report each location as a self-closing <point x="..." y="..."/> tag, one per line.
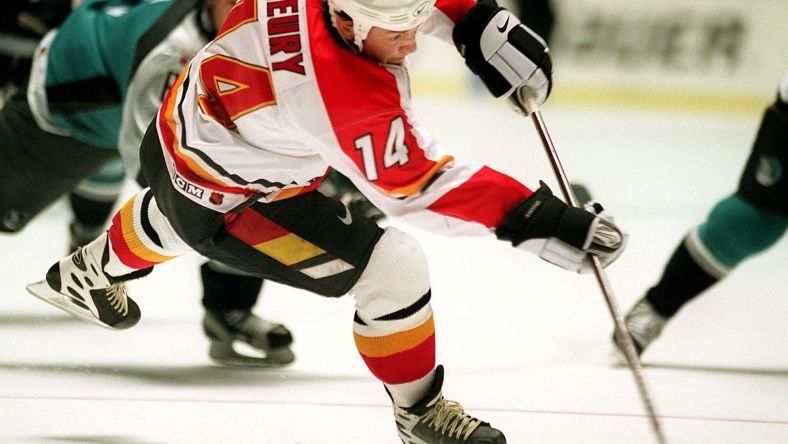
<point x="153" y="77"/>
<point x="276" y="99"/>
<point x="150" y="44"/>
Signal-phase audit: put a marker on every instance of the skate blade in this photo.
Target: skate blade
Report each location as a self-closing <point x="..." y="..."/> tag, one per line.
<point x="223" y="353"/>
<point x="43" y="291"/>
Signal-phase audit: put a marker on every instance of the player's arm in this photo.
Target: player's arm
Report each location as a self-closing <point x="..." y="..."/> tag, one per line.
<point x="402" y="171"/>
<point x="472" y="199"/>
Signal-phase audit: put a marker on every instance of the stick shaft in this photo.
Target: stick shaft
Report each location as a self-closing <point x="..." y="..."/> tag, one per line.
<point x="621" y="332"/>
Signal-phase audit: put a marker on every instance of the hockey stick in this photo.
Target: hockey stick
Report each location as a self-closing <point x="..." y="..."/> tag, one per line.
<point x="622" y="334"/>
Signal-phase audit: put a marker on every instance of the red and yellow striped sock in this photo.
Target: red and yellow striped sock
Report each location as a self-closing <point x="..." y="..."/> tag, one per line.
<point x="403" y="359"/>
<point x="134" y="243"/>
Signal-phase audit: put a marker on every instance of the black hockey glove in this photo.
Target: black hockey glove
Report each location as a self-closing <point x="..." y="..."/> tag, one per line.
<point x="339" y="187"/>
<point x="510" y="58"/>
<point x="560" y="234"/>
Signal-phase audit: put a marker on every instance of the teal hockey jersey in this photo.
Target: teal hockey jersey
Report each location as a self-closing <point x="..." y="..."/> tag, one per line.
<point x="81" y="86"/>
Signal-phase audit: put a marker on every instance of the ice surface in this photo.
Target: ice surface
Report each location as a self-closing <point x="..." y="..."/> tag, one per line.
<point x="525" y="345"/>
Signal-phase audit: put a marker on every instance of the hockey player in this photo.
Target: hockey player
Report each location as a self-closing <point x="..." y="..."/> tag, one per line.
<point x="242" y="139"/>
<point x="742" y="225"/>
<point x="90" y="96"/>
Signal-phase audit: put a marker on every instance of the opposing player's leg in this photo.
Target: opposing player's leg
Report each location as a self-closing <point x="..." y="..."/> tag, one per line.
<point x="734" y="231"/>
<point x="228" y="298"/>
<point x="92" y="202"/>
<point x="37" y="167"/>
<point x="738" y="227"/>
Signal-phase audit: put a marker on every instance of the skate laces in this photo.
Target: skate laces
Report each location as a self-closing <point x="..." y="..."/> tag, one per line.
<point x="116" y="295"/>
<point x="449" y="417"/>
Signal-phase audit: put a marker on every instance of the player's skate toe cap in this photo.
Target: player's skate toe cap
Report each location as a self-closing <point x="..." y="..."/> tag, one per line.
<point x="279" y="336"/>
<point x="130" y="320"/>
<point x="487" y="435"/>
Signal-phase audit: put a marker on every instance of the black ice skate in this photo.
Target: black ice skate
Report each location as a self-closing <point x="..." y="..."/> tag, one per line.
<point x="644" y="324"/>
<point x="224" y="328"/>
<point x="435" y="420"/>
<point x="79" y="286"/>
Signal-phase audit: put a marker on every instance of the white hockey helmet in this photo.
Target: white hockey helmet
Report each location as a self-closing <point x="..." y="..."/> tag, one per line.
<point x="393" y="15"/>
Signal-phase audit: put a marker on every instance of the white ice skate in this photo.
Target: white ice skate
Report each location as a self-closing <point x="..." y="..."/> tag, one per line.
<point x="269" y="341"/>
<point x="78" y="285"/>
<point x="437" y="420"/>
<point x="644" y="324"/>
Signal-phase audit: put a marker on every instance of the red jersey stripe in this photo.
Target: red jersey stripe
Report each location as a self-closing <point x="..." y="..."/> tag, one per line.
<point x="485" y="186"/>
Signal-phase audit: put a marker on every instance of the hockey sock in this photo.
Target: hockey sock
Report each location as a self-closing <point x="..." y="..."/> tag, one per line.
<point x="399" y="349"/>
<point x="94" y="197"/>
<point x="141" y="237"/>
<point x="393" y="326"/>
<point x="682" y="280"/>
<point x="91" y="204"/>
<point x="224" y="291"/>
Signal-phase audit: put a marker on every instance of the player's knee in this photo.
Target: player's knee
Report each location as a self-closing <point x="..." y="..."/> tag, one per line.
<point x="395" y="277"/>
<point x="736" y="229"/>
